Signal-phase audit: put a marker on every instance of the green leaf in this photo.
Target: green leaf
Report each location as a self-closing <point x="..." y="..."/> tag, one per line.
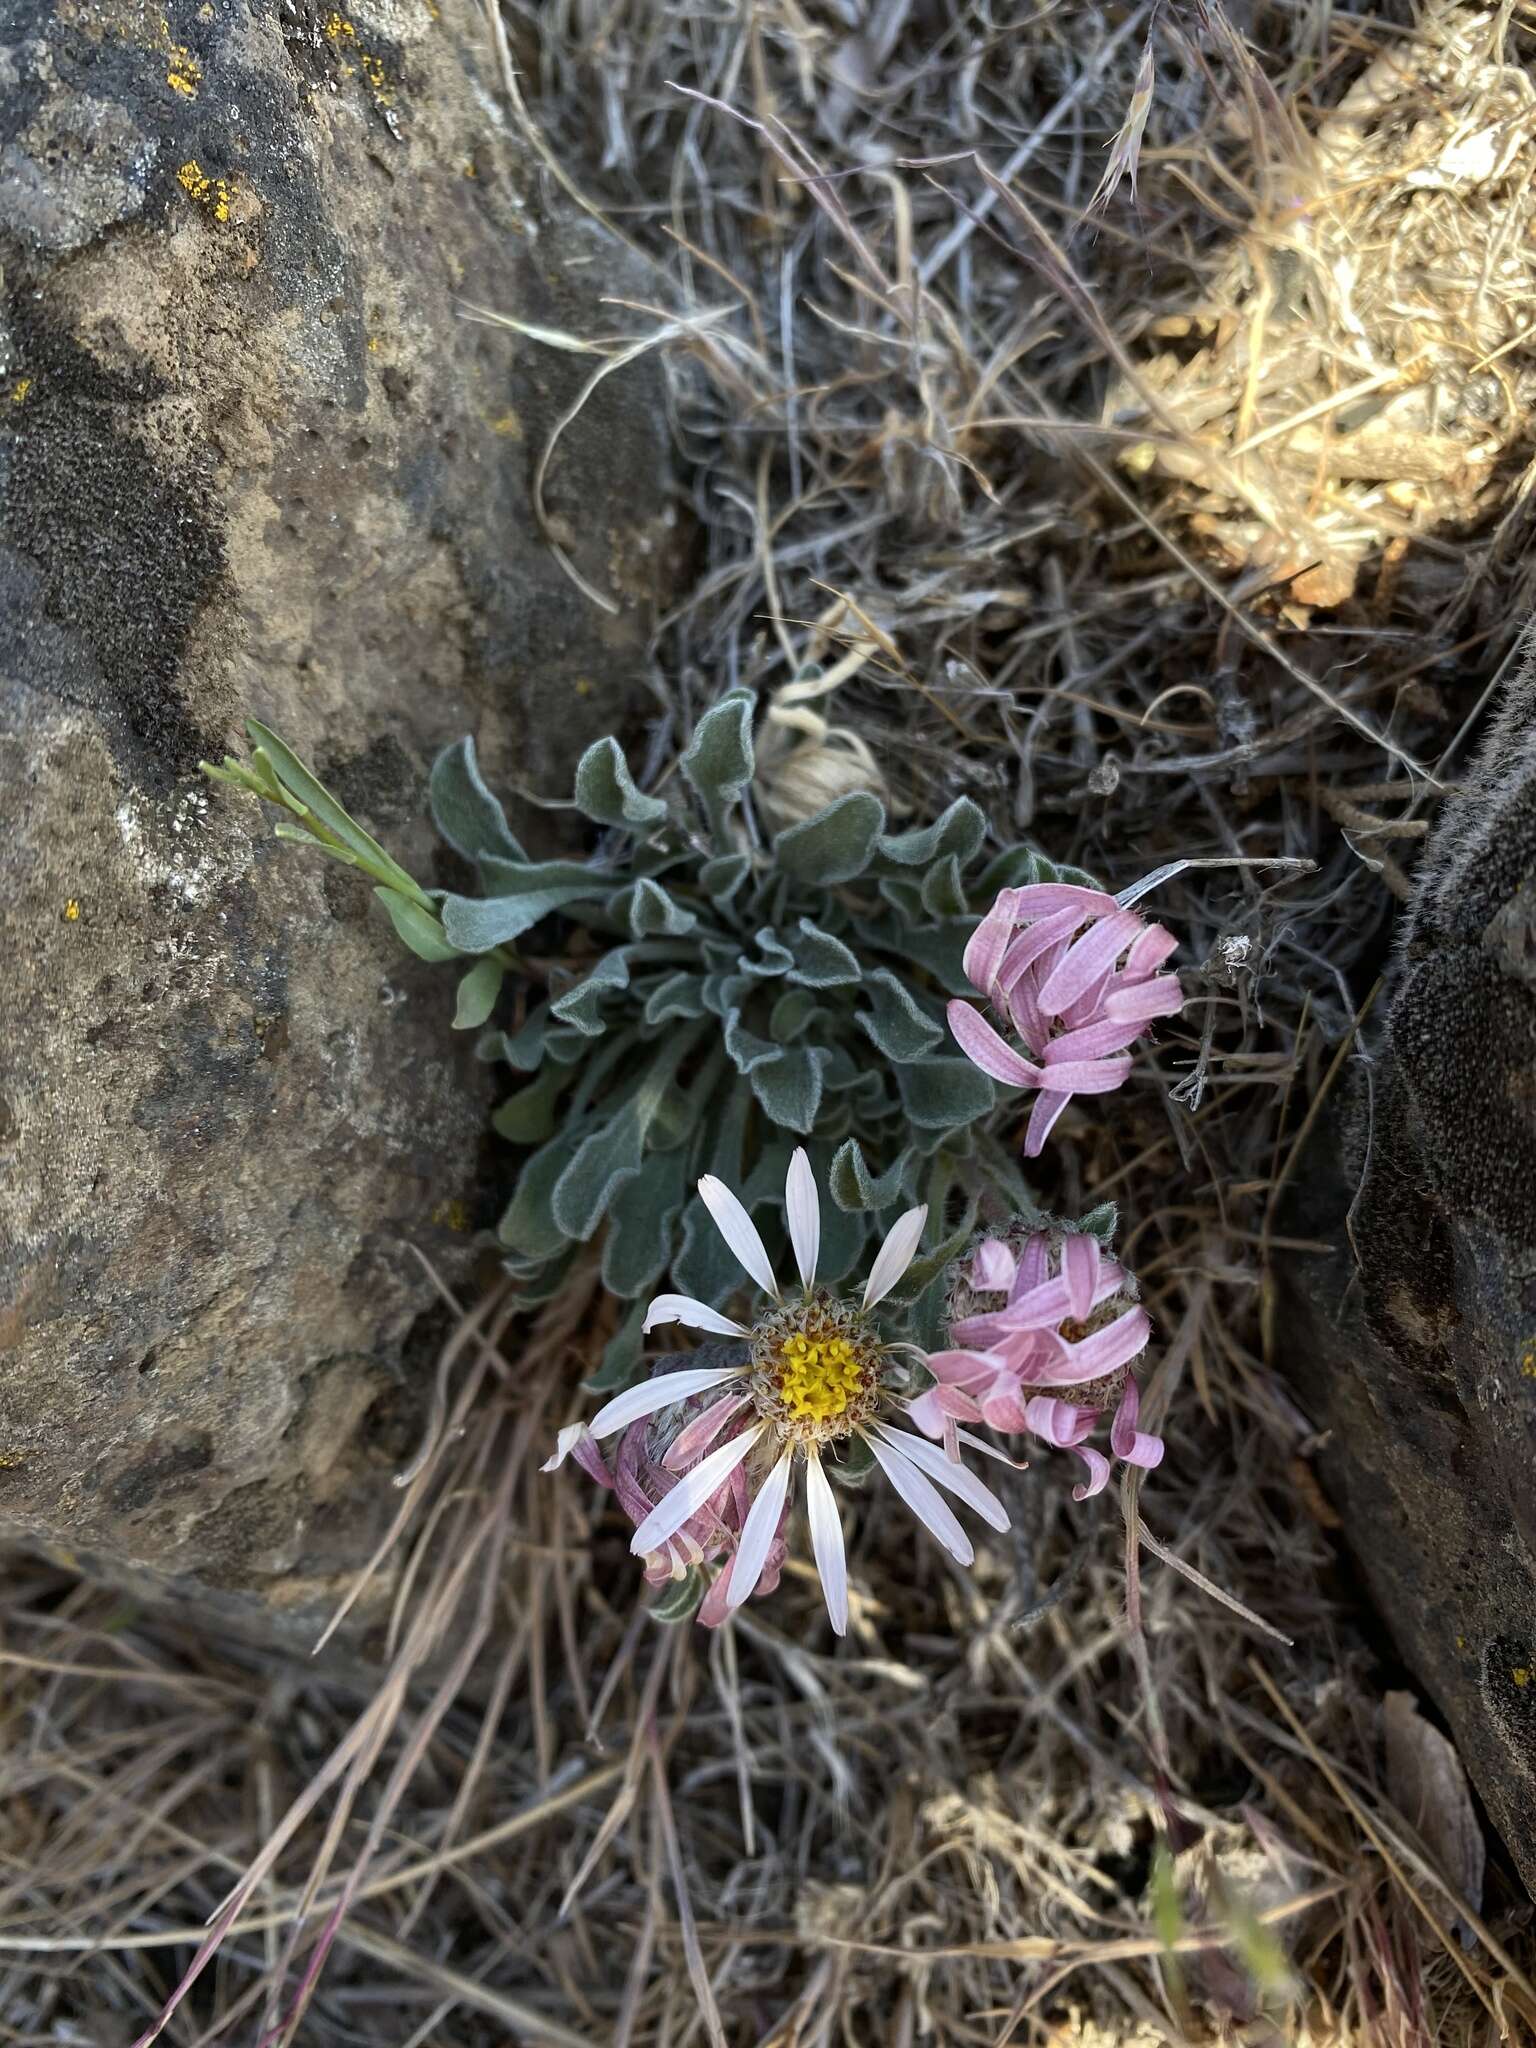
<point x="418" y="928"/>
<point x="600" y="1166"/>
<point x="642" y="1220"/>
<point x="581" y="1006"/>
<point x="939" y="1093"/>
<point x="680" y="995"/>
<point x="528" y="1226"/>
<point x="774" y="958"/>
<point x="851" y="1463"/>
<point x="463" y="809"/>
<point x="317" y="799"/>
<point x="792" y="1014"/>
<point x="721" y="877"/>
<point x="959" y="831"/>
<point x="705" y="1267"/>
<point x="606" y="792"/>
<point x="719" y="760"/>
<point x="897" y="1025"/>
<point x="1101" y="1223"/>
<point x="938" y="949"/>
<point x="477" y="994"/>
<point x="836" y="844"/>
<point x="789" y="1086"/>
<point x="651" y="912"/>
<point x="477" y="924"/>
<point x="528" y="1116"/>
<point x="746" y="1049"/>
<point x="1017" y="867"/>
<point x="856" y="1189"/>
<point x="623" y="1354"/>
<point x="944" y="892"/>
<point x="723" y="993"/>
<point x="821" y="961"/>
<point x="524" y="1048"/>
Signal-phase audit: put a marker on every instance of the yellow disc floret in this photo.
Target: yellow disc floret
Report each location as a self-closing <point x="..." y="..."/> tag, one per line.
<point x="816" y="1369"/>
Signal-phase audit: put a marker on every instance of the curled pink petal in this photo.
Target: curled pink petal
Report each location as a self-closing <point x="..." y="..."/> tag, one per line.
<point x="1098" y="1472"/>
<point x="1042" y="1120"/>
<point x="1129" y="1443"/>
<point x="1075" y="977"/>
<point x="985" y="1049"/>
<point x="1080" y="1270"/>
<point x="993" y="1266"/>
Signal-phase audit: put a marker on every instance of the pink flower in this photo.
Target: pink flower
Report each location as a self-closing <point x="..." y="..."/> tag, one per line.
<point x="1075" y="974"/>
<point x="814" y="1380"/>
<point x="1048" y="1336"/>
<point x="654" y="1456"/>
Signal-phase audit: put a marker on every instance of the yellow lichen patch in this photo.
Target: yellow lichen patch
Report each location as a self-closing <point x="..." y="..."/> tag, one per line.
<point x="452" y="1215"/>
<point x="20" y="389"/>
<point x="509" y="426"/>
<point x="10" y="1460"/>
<point x="72" y="910"/>
<point x="338" y="29"/>
<point x="1528" y="1361"/>
<point x="375" y="343"/>
<point x="213" y="193"/>
<point x="1521" y="1674"/>
<point x="183" y="72"/>
<point x="378" y="84"/>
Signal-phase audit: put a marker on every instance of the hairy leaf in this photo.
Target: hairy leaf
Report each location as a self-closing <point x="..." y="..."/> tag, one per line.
<point x="606" y="792"/>
<point x="836" y="844"/>
<point x="464" y="810"/>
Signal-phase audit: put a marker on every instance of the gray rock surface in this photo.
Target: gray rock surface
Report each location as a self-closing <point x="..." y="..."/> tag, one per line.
<point x="253" y="462"/>
<point x="1414" y="1342"/>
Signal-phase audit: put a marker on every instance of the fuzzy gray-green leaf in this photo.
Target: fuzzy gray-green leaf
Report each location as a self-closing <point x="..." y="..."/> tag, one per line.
<point x="527" y="1117"/>
<point x="895" y="1022"/>
<point x="606" y="792"/>
<point x="477" y="995"/>
<point x="719" y="759"/>
<point x="528" y="1226"/>
<point x="746" y="1049"/>
<point x="854" y="1188"/>
<point x="680" y="995"/>
<point x="959" y="830"/>
<point x="582" y="1006"/>
<point x="721" y="877"/>
<point x="822" y="961"/>
<point x="464" y="810"/>
<point x="651" y="913"/>
<point x="641" y="1220"/>
<point x="475" y="924"/>
<point x="789" y="1086"/>
<point x="940" y="1093"/>
<point x="836" y="844"/>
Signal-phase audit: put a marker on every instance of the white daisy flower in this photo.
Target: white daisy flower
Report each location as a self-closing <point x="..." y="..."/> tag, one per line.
<point x="818" y="1375"/>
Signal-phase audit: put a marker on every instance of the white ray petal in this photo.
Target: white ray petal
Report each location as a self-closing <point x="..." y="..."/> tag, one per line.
<point x="739" y="1232"/>
<point x="827" y="1543"/>
<point x="895" y="1255"/>
<point x="693" y="1315"/>
<point x="758" y="1532"/>
<point x="923" y="1498"/>
<point x="691" y="1492"/>
<point x="802" y="1212"/>
<point x="947" y="1472"/>
<point x="660" y="1392"/>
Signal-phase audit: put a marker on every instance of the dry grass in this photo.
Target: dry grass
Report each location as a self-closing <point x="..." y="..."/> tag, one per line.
<point x="1073" y="1796"/>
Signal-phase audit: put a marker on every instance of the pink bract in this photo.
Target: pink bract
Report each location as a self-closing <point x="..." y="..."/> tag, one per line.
<point x="644" y="1472"/>
<point x="1076" y="977"/>
<point x="1036" y="1325"/>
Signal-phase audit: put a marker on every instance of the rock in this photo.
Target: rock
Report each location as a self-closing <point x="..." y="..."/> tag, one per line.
<point x="255" y="462"/>
<point x="1413" y="1343"/>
